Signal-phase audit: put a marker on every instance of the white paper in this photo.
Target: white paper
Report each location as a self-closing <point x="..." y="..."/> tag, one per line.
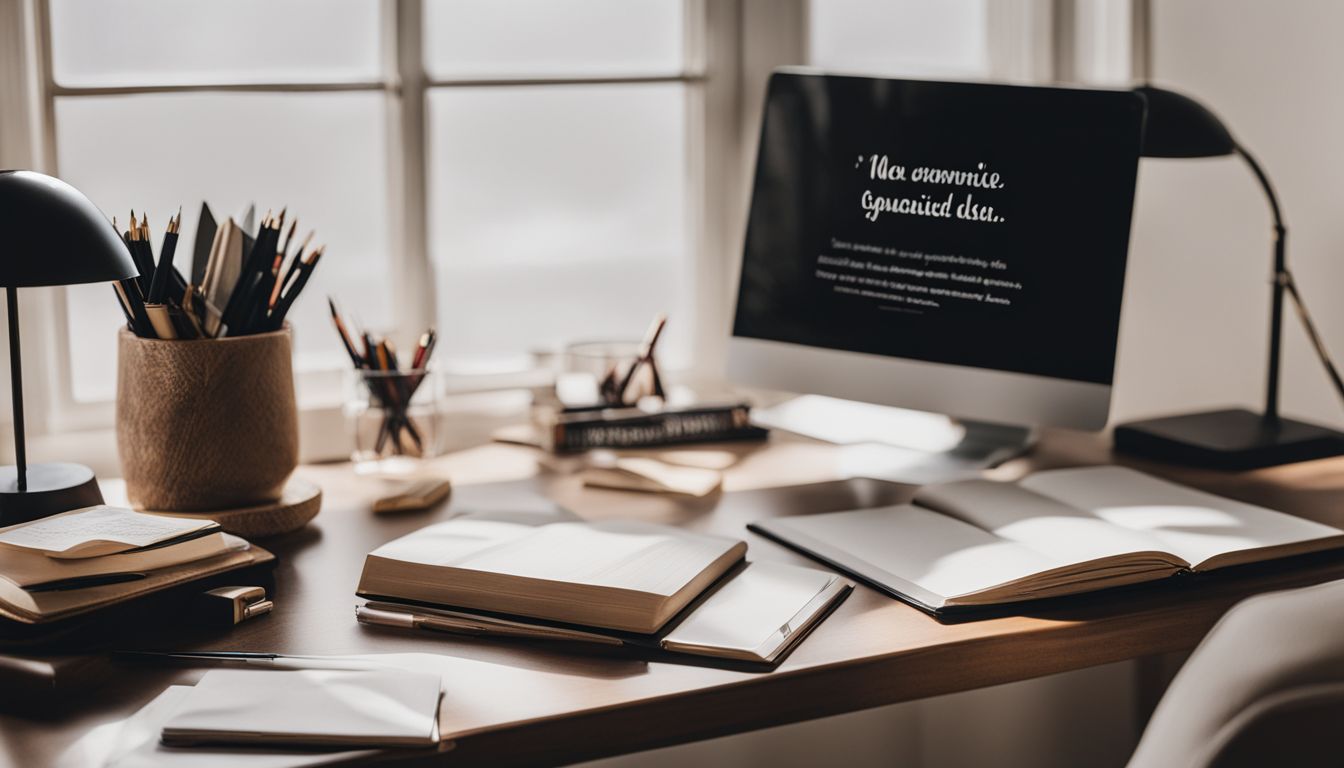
<point x="97" y="531"/>
<point x="310" y="706"/>
<point x="134" y="743"/>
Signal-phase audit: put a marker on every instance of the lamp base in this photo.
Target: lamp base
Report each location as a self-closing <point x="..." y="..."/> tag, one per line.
<point x="1230" y="439"/>
<point x="52" y="488"/>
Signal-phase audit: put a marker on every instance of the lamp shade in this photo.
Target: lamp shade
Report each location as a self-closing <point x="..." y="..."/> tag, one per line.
<point x="53" y="235"/>
<point x="1179" y="126"/>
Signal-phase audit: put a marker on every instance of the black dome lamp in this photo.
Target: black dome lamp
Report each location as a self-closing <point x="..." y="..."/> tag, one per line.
<point x="1180" y="127"/>
<point x="53" y="236"/>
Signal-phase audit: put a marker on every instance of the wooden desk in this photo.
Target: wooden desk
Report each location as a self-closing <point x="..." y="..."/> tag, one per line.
<point x="518" y="703"/>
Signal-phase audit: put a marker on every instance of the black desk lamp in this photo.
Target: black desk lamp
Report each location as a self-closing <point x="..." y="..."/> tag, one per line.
<point x="52" y="235"/>
<point x="1178" y="126"/>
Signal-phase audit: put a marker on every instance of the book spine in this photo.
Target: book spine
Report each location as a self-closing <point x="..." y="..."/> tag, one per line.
<point x="655" y="430"/>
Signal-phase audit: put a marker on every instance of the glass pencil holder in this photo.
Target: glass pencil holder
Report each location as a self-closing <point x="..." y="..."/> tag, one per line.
<point x="393" y="418"/>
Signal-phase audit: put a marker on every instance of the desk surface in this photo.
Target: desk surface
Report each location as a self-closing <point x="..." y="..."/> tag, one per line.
<point x="517" y="702"/>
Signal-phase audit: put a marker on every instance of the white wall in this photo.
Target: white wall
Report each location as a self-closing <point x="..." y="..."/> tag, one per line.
<point x="1197" y="301"/>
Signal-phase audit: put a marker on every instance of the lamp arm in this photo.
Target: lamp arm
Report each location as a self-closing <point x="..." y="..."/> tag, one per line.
<point x="1283" y="282"/>
<point x="1271" y="411"/>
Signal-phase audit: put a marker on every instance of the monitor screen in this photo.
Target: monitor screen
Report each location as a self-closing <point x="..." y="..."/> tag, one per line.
<point x="970" y="224"/>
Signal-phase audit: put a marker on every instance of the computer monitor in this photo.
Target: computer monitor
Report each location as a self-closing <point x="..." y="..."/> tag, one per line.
<point x="948" y="247"/>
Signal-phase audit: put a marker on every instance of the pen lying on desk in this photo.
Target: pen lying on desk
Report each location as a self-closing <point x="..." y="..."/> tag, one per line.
<point x="385" y="615"/>
<point x="247" y="658"/>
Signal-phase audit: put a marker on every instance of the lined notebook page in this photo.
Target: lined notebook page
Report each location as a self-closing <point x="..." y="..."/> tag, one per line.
<point x="1191" y="524"/>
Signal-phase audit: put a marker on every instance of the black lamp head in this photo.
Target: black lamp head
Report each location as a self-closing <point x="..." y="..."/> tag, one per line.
<point x="1179" y="126"/>
<point x="55" y="236"/>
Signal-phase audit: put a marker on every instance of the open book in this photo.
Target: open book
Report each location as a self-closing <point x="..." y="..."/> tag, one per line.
<point x="977" y="543"/>
<point x="619" y="575"/>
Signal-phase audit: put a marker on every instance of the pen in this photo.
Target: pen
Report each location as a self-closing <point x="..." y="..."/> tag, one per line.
<point x="247" y="658"/>
<point x="384" y="615"/>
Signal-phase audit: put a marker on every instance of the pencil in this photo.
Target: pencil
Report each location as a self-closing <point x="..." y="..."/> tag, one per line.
<point x="346" y="341"/>
<point x="289" y="294"/>
<point x="158" y="285"/>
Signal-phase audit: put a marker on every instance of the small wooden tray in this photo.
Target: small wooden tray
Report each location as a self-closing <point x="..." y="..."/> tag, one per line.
<point x="297" y="505"/>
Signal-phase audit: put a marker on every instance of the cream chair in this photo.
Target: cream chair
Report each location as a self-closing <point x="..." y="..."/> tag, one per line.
<point x="1266" y="687"/>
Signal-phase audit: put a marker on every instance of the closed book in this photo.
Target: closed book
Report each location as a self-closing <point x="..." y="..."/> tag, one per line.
<point x="571" y="431"/>
<point x="621" y="575"/>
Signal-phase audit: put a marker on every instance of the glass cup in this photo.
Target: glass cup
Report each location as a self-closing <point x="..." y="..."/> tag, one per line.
<point x="393" y="418"/>
<point x="584" y="366"/>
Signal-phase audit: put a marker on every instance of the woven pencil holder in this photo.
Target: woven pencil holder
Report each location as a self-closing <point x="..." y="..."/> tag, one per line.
<point x="208" y="424"/>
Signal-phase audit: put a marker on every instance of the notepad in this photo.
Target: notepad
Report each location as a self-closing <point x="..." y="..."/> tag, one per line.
<point x="98" y="531"/>
<point x="309" y="707"/>
<point x="635" y="473"/>
<point x="134" y="743"/>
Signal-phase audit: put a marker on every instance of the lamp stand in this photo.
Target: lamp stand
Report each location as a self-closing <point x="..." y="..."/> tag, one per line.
<point x="1237" y="438"/>
<point x="27" y="493"/>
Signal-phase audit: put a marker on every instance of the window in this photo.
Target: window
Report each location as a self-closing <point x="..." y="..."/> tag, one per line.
<point x="902" y="38"/>
<point x="519" y="173"/>
<point x="515" y="172"/>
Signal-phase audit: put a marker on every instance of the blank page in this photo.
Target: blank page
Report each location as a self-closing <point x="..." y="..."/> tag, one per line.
<point x="1191" y="524"/>
<point x="927" y="555"/>
<point x="1053" y="528"/>
<point x="643" y="557"/>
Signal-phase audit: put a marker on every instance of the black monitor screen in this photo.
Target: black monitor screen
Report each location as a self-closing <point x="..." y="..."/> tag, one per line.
<point x="977" y="225"/>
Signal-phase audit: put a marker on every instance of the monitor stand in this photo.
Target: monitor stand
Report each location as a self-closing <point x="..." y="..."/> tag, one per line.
<point x="982" y="446"/>
<point x="896" y="444"/>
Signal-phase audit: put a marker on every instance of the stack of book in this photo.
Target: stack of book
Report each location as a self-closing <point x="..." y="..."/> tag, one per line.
<point x="86" y="559"/>
<point x="619" y="583"/>
<point x="572" y="430"/>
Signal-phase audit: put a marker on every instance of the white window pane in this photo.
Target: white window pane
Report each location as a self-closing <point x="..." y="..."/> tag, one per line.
<point x="903" y="38"/>
<point x="557" y="215"/>
<point x="513" y="38"/>
<point x="128" y="42"/>
<point x="323" y="155"/>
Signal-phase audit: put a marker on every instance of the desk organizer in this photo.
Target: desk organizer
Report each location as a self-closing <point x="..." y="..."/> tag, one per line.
<point x="211" y="426"/>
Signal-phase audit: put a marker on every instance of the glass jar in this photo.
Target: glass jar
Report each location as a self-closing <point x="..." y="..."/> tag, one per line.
<point x="586" y="364"/>
<point x="393" y="417"/>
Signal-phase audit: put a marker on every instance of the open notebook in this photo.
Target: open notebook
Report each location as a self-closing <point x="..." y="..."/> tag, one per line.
<point x="977" y="543"/>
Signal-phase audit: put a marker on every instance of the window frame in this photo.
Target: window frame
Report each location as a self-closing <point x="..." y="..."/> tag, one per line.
<point x="406" y="83"/>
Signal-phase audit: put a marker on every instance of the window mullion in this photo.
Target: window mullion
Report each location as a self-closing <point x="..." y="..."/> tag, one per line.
<point x="412" y="275"/>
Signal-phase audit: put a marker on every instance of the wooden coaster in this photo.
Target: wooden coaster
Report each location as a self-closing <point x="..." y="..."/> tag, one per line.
<point x="297" y="505"/>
